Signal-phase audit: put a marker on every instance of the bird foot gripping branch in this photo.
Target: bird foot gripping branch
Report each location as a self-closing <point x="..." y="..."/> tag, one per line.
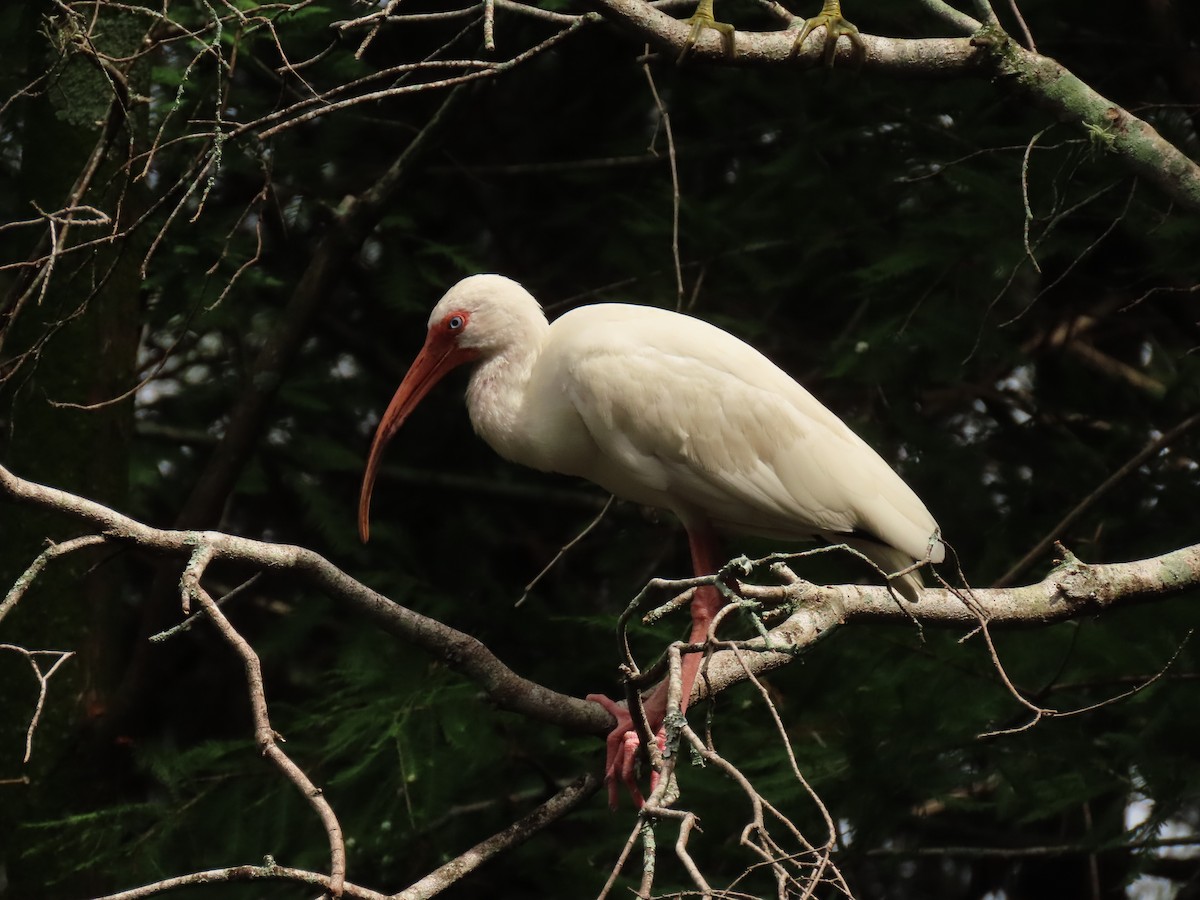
<point x="621" y="753"/>
<point x="623" y="744"/>
<point x="836" y="27"/>
<point x="830" y="18"/>
<point x="702" y="19"/>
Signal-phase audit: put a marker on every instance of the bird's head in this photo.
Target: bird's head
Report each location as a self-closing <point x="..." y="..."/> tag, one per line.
<point x="479" y="317"/>
<point x="486" y="314"/>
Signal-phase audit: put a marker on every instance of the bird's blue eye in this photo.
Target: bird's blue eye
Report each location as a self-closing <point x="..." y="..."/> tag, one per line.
<point x="456" y="322"/>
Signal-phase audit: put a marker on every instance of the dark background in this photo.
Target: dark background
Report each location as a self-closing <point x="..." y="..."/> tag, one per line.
<point x="872" y="234"/>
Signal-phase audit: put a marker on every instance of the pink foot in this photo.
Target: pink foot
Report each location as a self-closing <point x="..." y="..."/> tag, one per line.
<point x="619" y="766"/>
<point x="621" y="759"/>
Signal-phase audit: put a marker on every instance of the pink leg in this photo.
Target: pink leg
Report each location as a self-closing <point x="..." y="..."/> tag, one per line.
<point x="706" y="602"/>
<point x="623" y="741"/>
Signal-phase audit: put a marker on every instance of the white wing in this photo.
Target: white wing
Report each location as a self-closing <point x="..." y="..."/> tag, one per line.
<point x="688" y="417"/>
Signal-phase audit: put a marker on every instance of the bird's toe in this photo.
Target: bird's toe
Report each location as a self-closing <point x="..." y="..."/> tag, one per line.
<point x="836" y="27"/>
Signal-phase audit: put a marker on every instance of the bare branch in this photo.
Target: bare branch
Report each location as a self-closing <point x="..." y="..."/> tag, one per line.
<point x="21" y="585"/>
<point x="1134" y="463"/>
<point x="664" y="118"/>
<point x="460" y="651"/>
<point x="989" y="53"/>
<point x="562" y="551"/>
<point x="324" y="106"/>
<point x="1034" y="852"/>
<point x="265" y="737"/>
<point x="269" y="871"/>
<point x="43" y="679"/>
<point x="566" y="800"/>
<point x="1072" y="590"/>
<point x="1016" y="11"/>
<point x="952" y="16"/>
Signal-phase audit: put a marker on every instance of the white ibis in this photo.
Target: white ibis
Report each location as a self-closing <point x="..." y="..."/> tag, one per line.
<point x="668" y="411"/>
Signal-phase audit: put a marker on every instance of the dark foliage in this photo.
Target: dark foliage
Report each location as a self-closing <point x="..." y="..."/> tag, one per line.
<point x="981" y="292"/>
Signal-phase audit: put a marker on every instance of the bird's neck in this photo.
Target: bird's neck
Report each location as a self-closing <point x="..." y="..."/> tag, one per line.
<point x="496" y="396"/>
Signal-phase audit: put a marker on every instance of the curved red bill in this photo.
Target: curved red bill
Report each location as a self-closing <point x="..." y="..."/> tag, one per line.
<point x="439" y="355"/>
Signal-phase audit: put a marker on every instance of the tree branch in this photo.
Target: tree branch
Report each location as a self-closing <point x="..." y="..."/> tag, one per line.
<point x="1055" y="533"/>
<point x="566" y="800"/>
<point x="265" y="737"/>
<point x="459" y="651"/>
<point x="989" y="53"/>
<point x="269" y="871"/>
<point x="354" y="221"/>
<point x="1072" y="590"/>
<point x="952" y="16"/>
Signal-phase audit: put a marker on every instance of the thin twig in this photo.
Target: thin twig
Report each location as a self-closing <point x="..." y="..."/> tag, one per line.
<point x="1025" y="196"/>
<point x="1012" y="4"/>
<point x="22" y="584"/>
<point x="485" y="70"/>
<point x="622" y="858"/>
<point x="665" y="118"/>
<point x="236" y="874"/>
<point x="1087" y="502"/>
<point x="564" y="549"/>
<point x="187" y="624"/>
<point x="265" y="737"/>
<point x="43" y="679"/>
<point x="558" y="806"/>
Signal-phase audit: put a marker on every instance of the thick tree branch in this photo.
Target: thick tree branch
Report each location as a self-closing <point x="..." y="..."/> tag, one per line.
<point x="459" y="651"/>
<point x="989" y="53"/>
<point x="927" y="56"/>
<point x="1073" y="589"/>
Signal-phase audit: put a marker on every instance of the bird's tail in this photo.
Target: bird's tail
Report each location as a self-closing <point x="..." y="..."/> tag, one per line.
<point x="890" y="560"/>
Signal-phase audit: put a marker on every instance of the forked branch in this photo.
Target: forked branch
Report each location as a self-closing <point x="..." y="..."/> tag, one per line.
<point x="1071" y="590"/>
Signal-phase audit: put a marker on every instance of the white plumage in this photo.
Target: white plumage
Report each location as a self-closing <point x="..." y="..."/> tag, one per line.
<point x="667" y="410"/>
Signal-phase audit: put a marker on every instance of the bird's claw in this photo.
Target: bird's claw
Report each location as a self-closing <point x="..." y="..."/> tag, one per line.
<point x="836" y="27"/>
<point x="623" y="744"/>
<point x="703" y="19"/>
<point x="623" y="768"/>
